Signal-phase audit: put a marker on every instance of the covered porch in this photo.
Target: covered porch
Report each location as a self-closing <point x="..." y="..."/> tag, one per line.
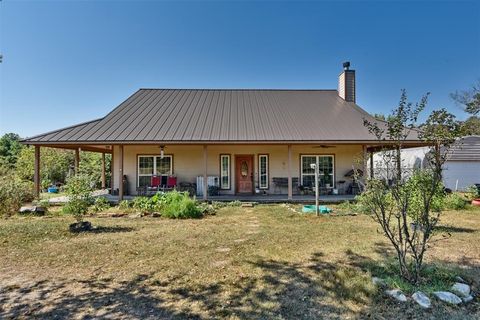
<point x="266" y="173"/>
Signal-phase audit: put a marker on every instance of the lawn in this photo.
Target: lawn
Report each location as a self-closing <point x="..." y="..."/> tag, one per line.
<point x="242" y="263"/>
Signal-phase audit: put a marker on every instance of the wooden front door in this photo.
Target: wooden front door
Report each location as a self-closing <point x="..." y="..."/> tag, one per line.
<point x="244" y="173"/>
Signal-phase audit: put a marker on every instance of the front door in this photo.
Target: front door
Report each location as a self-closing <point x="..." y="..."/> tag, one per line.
<point x="244" y="173"/>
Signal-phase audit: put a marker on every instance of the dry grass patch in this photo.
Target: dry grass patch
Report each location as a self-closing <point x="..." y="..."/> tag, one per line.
<point x="286" y="266"/>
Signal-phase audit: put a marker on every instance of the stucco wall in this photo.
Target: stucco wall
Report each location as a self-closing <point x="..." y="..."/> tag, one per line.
<point x="188" y="160"/>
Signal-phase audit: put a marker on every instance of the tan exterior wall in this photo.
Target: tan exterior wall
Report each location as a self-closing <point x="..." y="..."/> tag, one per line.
<point x="188" y="160"/>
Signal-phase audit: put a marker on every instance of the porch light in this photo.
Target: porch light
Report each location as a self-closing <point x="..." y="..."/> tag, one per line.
<point x="162" y="152"/>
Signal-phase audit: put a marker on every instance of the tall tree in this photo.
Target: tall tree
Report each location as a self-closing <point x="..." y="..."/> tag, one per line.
<point x="10" y="148"/>
<point x="469" y="99"/>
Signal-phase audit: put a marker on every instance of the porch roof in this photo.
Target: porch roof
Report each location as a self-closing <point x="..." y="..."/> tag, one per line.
<point x="223" y="116"/>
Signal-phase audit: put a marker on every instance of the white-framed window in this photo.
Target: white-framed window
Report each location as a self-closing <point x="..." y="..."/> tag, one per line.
<point x="263" y="171"/>
<point x="224" y="171"/>
<point x="326" y="167"/>
<point x="150" y="165"/>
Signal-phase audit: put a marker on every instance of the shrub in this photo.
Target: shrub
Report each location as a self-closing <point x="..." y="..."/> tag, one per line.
<point x="472" y="193"/>
<point x="179" y="205"/>
<point x="143" y="204"/>
<point x="454" y="201"/>
<point x="78" y="190"/>
<point x="13" y="193"/>
<point x="101" y="204"/>
<point x="125" y="205"/>
<point x="235" y="203"/>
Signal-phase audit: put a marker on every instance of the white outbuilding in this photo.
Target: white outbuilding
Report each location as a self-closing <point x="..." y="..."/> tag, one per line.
<point x="462" y="168"/>
<point x="460" y="171"/>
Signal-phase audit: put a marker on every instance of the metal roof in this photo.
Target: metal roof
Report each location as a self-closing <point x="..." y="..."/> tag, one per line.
<point x="465" y="149"/>
<point x="224" y="115"/>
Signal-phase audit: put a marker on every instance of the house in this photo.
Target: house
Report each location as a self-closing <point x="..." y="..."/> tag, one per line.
<point x="460" y="170"/>
<point x="245" y="141"/>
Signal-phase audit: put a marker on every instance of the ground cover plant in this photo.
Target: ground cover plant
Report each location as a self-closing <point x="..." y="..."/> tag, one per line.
<point x="242" y="263"/>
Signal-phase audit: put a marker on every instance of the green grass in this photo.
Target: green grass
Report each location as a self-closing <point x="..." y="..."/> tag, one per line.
<point x="242" y="263"/>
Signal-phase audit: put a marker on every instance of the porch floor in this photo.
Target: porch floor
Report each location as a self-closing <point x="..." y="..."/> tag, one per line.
<point x="271" y="198"/>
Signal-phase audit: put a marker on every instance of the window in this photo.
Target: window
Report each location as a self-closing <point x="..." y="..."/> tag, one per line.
<point x="225" y="171"/>
<point x="326" y="170"/>
<point x="263" y="171"/>
<point x="153" y="165"/>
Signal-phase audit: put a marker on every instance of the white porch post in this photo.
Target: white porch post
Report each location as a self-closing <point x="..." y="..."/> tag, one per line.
<point x="205" y="172"/>
<point x="36" y="174"/>
<point x="290" y="184"/>
<point x="120" y="173"/>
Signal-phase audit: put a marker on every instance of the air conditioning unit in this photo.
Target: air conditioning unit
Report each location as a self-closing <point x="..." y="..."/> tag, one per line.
<point x="212" y="181"/>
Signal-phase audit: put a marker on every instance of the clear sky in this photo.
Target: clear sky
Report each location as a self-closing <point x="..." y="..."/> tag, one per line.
<point x="66" y="62"/>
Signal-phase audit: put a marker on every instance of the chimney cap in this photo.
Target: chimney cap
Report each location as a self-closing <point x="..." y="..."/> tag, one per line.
<point x="346" y="65"/>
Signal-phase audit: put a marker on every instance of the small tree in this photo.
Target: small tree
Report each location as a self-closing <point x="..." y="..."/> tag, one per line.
<point x="78" y="190"/>
<point x="408" y="207"/>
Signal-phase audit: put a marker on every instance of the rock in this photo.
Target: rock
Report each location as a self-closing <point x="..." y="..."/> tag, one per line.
<point x="447" y="297"/>
<point x="460" y="279"/>
<point x="461" y="289"/>
<point x="39" y="210"/>
<point x="422" y="299"/>
<point x="378" y="282"/>
<point x="80" y="226"/>
<point x="26" y="209"/>
<point x="33" y="209"/>
<point x="468" y="299"/>
<point x="397" y="295"/>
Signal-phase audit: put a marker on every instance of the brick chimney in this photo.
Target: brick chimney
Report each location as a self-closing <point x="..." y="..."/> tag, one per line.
<point x="346" y="83"/>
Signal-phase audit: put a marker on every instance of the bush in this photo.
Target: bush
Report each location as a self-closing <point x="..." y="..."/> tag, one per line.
<point x="101" y="204"/>
<point x="13" y="193"/>
<point x="179" y="205"/>
<point x="173" y="204"/>
<point x="125" y="205"/>
<point x="78" y="190"/>
<point x="143" y="204"/>
<point x="472" y="193"/>
<point x="454" y="201"/>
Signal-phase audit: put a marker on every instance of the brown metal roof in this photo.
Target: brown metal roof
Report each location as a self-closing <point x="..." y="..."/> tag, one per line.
<point x="209" y="115"/>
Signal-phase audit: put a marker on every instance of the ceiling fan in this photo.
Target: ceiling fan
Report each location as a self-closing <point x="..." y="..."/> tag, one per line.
<point x="324" y="146"/>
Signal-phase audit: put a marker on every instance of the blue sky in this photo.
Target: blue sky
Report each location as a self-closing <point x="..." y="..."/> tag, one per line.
<point x="67" y="62"/>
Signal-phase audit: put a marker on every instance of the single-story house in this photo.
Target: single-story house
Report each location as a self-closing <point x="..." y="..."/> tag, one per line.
<point x="243" y="141"/>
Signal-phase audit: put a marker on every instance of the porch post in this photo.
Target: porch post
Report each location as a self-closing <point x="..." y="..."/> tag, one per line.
<point x="36" y="174"/>
<point x="365" y="163"/>
<point x="120" y="173"/>
<point x="103" y="171"/>
<point x="112" y="169"/>
<point x="371" y="165"/>
<point x="77" y="160"/>
<point x="205" y="171"/>
<point x="290" y="184"/>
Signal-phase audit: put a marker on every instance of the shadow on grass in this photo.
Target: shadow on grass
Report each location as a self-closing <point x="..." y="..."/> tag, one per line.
<point x="87" y="299"/>
<point x="315" y="289"/>
<point x="452" y="229"/>
<point x="116" y="229"/>
<point x="312" y="290"/>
